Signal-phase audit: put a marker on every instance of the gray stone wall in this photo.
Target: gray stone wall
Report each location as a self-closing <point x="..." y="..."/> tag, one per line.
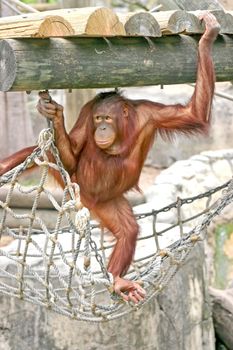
<point x="178" y="319"/>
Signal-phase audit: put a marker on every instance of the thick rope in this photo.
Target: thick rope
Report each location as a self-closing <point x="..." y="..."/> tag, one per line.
<point x="64" y="268"/>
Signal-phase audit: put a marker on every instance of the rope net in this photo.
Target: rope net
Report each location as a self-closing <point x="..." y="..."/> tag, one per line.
<point x="62" y="265"/>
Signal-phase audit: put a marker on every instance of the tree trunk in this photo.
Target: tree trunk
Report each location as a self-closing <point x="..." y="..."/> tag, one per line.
<point x="16" y="129"/>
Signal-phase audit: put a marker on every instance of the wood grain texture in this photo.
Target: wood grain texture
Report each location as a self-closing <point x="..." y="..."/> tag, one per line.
<point x="140" y="23"/>
<point x="89" y="21"/>
<point x="59" y="63"/>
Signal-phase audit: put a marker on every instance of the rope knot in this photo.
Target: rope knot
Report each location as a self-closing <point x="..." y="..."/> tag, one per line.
<point x="81" y="220"/>
<point x="45" y="139"/>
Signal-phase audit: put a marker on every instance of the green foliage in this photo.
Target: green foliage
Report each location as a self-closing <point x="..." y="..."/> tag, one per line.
<point x="222" y="261"/>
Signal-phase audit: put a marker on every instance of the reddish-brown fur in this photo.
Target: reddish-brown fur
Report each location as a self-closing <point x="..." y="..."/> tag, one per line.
<point x="104" y="177"/>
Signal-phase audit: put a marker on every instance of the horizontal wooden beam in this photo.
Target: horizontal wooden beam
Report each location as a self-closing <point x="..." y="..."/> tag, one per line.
<point x="59" y="63"/>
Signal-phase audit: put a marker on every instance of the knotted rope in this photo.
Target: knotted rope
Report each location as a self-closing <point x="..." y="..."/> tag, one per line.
<point x="64" y="267"/>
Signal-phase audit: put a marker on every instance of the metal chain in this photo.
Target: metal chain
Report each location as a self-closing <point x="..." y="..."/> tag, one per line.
<point x="99" y="257"/>
<point x="182" y="201"/>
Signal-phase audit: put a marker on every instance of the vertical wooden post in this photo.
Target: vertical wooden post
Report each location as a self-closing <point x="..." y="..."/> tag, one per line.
<point x="16" y="128"/>
<point x="75" y="99"/>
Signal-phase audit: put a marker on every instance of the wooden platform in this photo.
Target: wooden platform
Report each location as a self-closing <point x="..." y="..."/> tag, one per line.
<point x="97" y="48"/>
<point x="100" y="21"/>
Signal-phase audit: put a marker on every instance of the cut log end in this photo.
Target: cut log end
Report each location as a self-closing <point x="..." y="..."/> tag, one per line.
<point x="185" y="22"/>
<point x="104" y="22"/>
<point x="7" y="66"/>
<point x="54" y="26"/>
<point x="143" y="24"/>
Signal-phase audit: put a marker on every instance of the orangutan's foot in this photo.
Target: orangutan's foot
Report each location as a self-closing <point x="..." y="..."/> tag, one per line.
<point x="129" y="290"/>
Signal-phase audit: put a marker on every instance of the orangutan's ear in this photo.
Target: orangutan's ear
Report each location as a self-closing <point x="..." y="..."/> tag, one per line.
<point x="125" y="110"/>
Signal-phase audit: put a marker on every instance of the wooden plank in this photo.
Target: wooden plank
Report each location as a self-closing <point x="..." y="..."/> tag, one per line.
<point x="59" y="63"/>
<point x="90" y="21"/>
<point x="140" y="23"/>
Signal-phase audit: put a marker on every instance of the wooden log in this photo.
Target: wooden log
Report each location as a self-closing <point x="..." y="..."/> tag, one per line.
<point x="90" y="21"/>
<point x="163" y="18"/>
<point x="190" y="5"/>
<point x="140" y="23"/>
<point x="225" y="19"/>
<point x="45" y="7"/>
<point x="168" y="5"/>
<point x="59" y="63"/>
<point x="26" y="200"/>
<point x="34" y="25"/>
<point x="178" y="21"/>
<point x="223" y="315"/>
<point x="51" y="26"/>
<point x="49" y="218"/>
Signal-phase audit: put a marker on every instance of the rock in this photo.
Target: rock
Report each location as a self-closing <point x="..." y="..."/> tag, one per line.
<point x="223" y="315"/>
<point x="166" y="217"/>
<point x="161" y="195"/>
<point x="179" y="318"/>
